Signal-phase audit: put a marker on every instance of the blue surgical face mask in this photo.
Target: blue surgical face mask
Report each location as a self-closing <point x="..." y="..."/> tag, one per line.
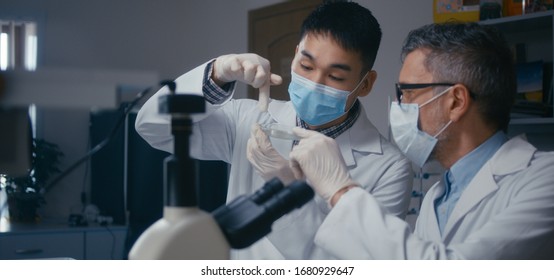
<point x="417" y="145"/>
<point x="317" y="104"/>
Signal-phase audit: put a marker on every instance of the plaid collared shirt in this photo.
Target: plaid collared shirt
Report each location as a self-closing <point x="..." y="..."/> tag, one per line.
<point x="212" y="92"/>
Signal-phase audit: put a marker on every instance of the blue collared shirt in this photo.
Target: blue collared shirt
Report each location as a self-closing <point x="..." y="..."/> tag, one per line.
<point x="461" y="173"/>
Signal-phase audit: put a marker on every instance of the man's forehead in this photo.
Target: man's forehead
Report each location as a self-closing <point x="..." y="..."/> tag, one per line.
<point x="413" y="69"/>
<point x="324" y="49"/>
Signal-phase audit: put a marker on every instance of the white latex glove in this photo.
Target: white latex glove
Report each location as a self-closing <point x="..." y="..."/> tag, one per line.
<point x="318" y="159"/>
<point x="263" y="98"/>
<point x="248" y="68"/>
<point x="265" y="159"/>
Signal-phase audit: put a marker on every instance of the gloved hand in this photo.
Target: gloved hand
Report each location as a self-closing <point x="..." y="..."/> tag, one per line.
<point x="265" y="159"/>
<point x="318" y="158"/>
<point x="248" y="68"/>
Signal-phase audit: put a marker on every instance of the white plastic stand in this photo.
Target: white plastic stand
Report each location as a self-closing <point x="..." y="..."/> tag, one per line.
<point x="184" y="233"/>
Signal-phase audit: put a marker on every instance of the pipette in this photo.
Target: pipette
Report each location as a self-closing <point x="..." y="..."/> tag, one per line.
<point x="263" y="99"/>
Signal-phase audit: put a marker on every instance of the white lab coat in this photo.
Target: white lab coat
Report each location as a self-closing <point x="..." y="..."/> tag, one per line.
<point x="222" y="133"/>
<point x="506" y="212"/>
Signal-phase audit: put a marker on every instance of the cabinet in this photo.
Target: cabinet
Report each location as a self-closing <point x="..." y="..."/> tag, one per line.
<point x="424" y="179"/>
<point x="532" y="38"/>
<point x="45" y="241"/>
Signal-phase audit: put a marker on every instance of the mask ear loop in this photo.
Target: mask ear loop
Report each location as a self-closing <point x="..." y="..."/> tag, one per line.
<point x="360" y="83"/>
<point x="356" y="88"/>
<point x="442" y="129"/>
<point x="431" y="100"/>
<point x="435" y="97"/>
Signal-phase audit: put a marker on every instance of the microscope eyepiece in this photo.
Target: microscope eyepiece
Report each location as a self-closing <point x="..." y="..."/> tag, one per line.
<point x="246" y="219"/>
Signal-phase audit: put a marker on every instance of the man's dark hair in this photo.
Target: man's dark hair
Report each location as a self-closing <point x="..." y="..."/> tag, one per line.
<point x="351" y="25"/>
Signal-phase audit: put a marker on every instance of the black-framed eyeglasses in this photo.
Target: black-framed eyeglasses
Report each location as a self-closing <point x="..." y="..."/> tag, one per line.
<point x="400" y="87"/>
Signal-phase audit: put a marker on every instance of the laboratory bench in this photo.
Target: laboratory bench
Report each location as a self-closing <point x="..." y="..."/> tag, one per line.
<point x="59" y="240"/>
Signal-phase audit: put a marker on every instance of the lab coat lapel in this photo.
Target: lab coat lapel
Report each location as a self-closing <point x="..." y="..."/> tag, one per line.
<point x="282" y="112"/>
<point x="363" y="137"/>
<point x="513" y="156"/>
<point x="481" y="186"/>
<point x="428" y="223"/>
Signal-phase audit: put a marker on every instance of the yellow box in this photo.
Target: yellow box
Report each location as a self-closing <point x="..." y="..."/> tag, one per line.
<point x="447" y="10"/>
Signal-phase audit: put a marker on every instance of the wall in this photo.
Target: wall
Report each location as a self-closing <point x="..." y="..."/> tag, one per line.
<point x="169" y="37"/>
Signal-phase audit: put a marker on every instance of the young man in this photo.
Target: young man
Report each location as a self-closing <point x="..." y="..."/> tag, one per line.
<point x="332" y="67"/>
<point x="496" y="199"/>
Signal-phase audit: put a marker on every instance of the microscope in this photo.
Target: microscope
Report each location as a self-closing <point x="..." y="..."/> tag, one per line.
<point x="187" y="232"/>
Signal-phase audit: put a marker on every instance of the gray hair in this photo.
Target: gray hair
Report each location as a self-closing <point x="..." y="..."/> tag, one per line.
<point x="474" y="55"/>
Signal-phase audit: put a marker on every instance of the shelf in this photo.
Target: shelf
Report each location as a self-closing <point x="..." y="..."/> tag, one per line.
<point x="520" y="121"/>
<point x="538" y="20"/>
<point x="533" y="30"/>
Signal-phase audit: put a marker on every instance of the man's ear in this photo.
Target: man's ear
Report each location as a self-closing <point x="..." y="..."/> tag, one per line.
<point x="367" y="83"/>
<point x="461" y="99"/>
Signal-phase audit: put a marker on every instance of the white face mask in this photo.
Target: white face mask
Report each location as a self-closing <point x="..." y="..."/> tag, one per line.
<point x="414" y="143"/>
